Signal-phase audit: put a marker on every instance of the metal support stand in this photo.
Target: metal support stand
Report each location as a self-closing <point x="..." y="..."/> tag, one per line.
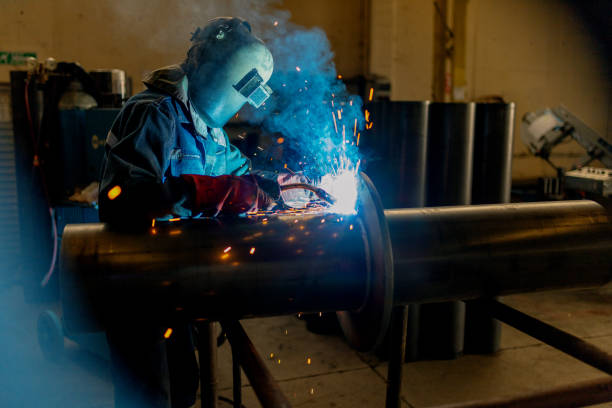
<point x="265" y="387"/>
<point x="581" y="394"/>
<point x="236" y="379"/>
<point x="397" y="355"/>
<point x="207" y="351"/>
<point x="563" y="341"/>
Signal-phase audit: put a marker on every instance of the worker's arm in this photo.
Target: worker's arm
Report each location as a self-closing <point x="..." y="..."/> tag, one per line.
<point x="133" y="189"/>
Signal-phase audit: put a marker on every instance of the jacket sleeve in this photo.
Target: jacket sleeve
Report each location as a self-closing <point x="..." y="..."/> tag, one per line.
<point x="133" y="190"/>
<point x="236" y="163"/>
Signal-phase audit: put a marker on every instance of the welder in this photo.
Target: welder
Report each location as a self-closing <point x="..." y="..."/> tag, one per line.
<point x="168" y="156"/>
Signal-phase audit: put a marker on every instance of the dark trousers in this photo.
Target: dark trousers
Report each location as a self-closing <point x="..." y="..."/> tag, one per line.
<point x="150" y="371"/>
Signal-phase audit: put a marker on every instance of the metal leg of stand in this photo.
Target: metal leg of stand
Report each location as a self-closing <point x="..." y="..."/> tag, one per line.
<point x="397" y="355"/>
<point x="236" y="380"/>
<point x="207" y="350"/>
<point x="265" y="387"/>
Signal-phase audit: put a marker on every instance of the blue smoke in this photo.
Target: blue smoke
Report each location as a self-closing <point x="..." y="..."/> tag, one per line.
<point x="311" y="108"/>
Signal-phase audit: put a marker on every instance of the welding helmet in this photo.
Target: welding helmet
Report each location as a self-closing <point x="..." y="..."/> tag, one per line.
<point x="226" y="67"/>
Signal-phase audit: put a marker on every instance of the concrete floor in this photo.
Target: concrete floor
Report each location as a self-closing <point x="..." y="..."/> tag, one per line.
<point x="336" y="376"/>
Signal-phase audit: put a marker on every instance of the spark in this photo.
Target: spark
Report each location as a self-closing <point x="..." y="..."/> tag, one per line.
<point x="153" y="223"/>
<point x="285" y="166"/>
<point x="371" y="94"/>
<point x="355" y="128"/>
<point x="168" y="333"/>
<point x="226" y="250"/>
<point x="280" y="140"/>
<point x="311" y="391"/>
<point x="339" y="114"/>
<point x="271" y="356"/>
<point x="175" y="232"/>
<point x="323" y="221"/>
<point x="114" y="192"/>
<point x="252" y="251"/>
<point x="358" y="136"/>
<point x="275" y="23"/>
<point x="369" y="125"/>
<point x="339" y="76"/>
<point x="174" y="219"/>
<point x="308" y="361"/>
<point x="298" y="69"/>
<point x="367" y="115"/>
<point x="351" y="227"/>
<point x="335" y="125"/>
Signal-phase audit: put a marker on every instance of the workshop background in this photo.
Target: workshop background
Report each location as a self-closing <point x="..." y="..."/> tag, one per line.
<point x="535" y="54"/>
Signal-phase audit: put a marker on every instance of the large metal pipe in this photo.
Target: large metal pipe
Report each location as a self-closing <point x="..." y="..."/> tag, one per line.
<point x="208" y="268"/>
<point x="287" y="263"/>
<point x="466" y="252"/>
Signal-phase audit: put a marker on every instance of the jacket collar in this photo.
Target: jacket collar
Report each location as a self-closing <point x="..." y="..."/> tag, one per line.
<point x="169" y="80"/>
<point x="172" y="80"/>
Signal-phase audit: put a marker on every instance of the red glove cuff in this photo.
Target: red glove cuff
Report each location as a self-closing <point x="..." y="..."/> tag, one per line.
<point x="227" y="194"/>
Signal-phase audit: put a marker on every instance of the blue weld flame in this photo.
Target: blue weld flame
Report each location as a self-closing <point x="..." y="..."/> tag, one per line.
<point x="313" y="111"/>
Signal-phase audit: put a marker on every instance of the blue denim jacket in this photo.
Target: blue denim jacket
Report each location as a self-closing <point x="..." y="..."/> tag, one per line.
<point x="153" y="140"/>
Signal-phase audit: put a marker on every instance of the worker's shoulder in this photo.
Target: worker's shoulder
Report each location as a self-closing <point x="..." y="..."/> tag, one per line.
<point x="151" y="102"/>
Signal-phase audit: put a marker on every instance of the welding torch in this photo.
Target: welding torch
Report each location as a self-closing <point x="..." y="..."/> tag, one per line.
<point x="319" y="192"/>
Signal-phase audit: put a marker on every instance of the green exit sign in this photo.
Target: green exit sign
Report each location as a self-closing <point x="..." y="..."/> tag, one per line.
<point x="15" y="58"/>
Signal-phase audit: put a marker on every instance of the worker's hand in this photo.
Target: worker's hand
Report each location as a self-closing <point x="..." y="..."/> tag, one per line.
<point x="294" y="197"/>
<point x="269" y="186"/>
<point x="227" y="194"/>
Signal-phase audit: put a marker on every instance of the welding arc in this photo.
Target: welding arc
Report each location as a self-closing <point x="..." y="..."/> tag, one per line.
<point x="319" y="192"/>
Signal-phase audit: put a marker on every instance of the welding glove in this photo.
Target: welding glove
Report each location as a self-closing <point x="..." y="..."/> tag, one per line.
<point x="294" y="197"/>
<point x="226" y="194"/>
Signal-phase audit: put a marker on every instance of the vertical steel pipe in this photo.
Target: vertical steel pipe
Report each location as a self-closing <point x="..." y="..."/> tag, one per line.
<point x="492" y="163"/>
<point x="491" y="184"/>
<point x="207" y="353"/>
<point x="449" y="182"/>
<point x="397" y="355"/>
<point x="396" y="150"/>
